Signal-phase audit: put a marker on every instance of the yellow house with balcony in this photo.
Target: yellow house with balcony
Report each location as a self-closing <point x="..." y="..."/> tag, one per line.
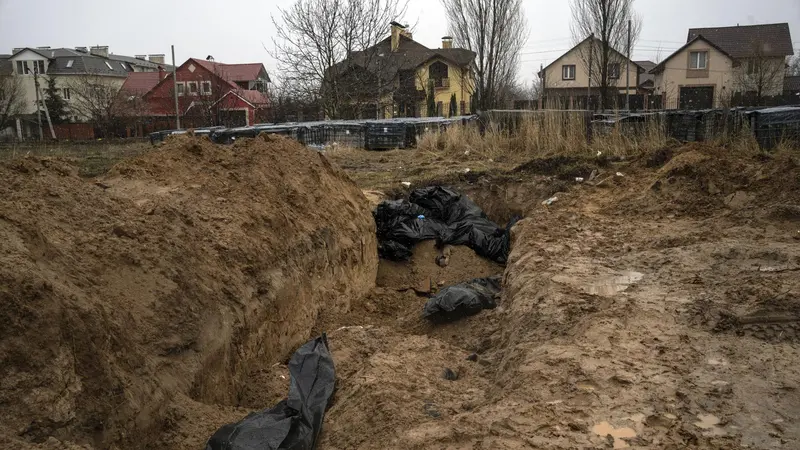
<point x="399" y="77"/>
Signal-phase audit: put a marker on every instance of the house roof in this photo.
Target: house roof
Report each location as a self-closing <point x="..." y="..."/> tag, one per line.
<point x="640" y="68"/>
<point x="742" y="41"/>
<point x="139" y="83"/>
<point x="646" y="76"/>
<point x="410" y="54"/>
<point x="791" y="83"/>
<point x="87" y="64"/>
<point x="139" y="62"/>
<point x="660" y="66"/>
<point x="254" y="97"/>
<point x="234" y="72"/>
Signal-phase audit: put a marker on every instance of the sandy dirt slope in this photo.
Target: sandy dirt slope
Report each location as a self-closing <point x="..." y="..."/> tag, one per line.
<point x="658" y="309"/>
<point x="139" y="310"/>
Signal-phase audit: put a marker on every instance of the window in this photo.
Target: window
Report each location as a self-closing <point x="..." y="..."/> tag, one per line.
<point x="181" y="87"/>
<point x="66" y="94"/>
<point x="69" y="63"/>
<point x="205" y="88"/>
<point x="108" y="64"/>
<point x="123" y="66"/>
<point x="613" y="71"/>
<point x="752" y="66"/>
<point x="20" y="69"/>
<point x="39" y="66"/>
<point x="568" y="72"/>
<point x="192" y="87"/>
<point x="698" y="60"/>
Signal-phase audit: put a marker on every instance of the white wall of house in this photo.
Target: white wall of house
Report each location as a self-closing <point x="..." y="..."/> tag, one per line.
<point x="677" y="73"/>
<point x="29" y="60"/>
<point x="555" y="79"/>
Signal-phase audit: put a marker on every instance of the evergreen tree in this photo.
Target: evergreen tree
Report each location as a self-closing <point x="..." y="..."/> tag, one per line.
<point x="55" y="104"/>
<point x="431" y="100"/>
<point x="453" y="106"/>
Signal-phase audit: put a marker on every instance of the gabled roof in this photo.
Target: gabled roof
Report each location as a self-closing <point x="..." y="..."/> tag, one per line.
<point x="140" y="83"/>
<point x="34" y="50"/>
<point x="234" y="72"/>
<point x="639" y="68"/>
<point x="659" y="67"/>
<point x="743" y="41"/>
<point x="646" y="76"/>
<point x="410" y="54"/>
<point x="253" y="98"/>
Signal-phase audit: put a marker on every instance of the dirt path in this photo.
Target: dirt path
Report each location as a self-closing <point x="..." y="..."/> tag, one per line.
<point x="658" y="310"/>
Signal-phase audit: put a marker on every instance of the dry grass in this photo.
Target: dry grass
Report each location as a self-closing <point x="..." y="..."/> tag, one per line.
<point x="543" y="135"/>
<point x="92" y="158"/>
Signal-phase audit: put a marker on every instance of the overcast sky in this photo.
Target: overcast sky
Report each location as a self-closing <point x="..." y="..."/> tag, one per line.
<point x="238" y="31"/>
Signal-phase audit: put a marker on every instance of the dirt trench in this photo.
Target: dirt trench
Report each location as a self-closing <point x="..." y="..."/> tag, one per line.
<point x="653" y="306"/>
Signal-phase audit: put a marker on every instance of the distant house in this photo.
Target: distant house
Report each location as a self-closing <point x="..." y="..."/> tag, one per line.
<point x="73" y="69"/>
<point x="565" y="81"/>
<point x="209" y="93"/>
<point x="717" y="65"/>
<point x="399" y="77"/>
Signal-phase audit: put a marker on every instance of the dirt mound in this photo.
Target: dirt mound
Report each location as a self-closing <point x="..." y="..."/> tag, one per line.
<point x="701" y="179"/>
<point x="153" y="298"/>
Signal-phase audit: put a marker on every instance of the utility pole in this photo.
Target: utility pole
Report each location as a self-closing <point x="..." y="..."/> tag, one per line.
<point x="38" y="104"/>
<point x="175" y="89"/>
<point x="628" y="71"/>
<point x="589" y="84"/>
<point x="541" y="91"/>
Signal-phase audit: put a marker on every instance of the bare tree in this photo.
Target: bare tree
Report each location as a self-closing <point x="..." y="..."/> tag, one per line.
<point x="12" y="99"/>
<point x="97" y="98"/>
<point x="607" y="20"/>
<point x="496" y="30"/>
<point x="794" y="66"/>
<point x="316" y="45"/>
<point x="759" y="76"/>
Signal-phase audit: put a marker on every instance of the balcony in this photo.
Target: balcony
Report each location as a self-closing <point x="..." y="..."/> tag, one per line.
<point x="440" y="83"/>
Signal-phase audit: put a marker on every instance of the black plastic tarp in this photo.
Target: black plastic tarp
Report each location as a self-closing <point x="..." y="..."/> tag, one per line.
<point x="461" y="300"/>
<point x="294" y="423"/>
<point x="442" y="214"/>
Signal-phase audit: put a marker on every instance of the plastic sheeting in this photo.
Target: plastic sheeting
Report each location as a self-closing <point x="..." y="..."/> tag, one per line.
<point x="294" y="423"/>
<point x="441" y="214"/>
<point x="461" y="300"/>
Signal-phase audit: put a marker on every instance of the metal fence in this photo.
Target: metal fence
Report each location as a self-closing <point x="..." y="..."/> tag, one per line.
<point x="369" y="134"/>
<point x="769" y="126"/>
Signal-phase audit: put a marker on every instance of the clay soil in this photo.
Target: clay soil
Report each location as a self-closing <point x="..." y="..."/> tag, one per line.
<point x="658" y="308"/>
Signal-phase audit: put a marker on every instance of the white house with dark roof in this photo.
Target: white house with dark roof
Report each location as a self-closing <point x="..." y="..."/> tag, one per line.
<point x="718" y="64"/>
<point x="71" y="69"/>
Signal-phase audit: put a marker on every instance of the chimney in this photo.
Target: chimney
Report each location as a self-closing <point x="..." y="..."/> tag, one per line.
<point x="447" y="42"/>
<point x="100" y="50"/>
<point x="210" y="58"/>
<point x="157" y="59"/>
<point x="142" y="57"/>
<point x="15" y="50"/>
<point x="81" y="49"/>
<point x="397" y="31"/>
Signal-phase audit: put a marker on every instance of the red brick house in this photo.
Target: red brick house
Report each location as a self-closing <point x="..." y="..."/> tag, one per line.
<point x="209" y="93"/>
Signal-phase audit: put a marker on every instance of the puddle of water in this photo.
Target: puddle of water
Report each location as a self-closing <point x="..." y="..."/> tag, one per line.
<point x="612" y="285"/>
<point x="605" y="428"/>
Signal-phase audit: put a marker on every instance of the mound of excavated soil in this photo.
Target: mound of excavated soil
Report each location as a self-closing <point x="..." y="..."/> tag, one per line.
<point x="700" y="179"/>
<point x="139" y="309"/>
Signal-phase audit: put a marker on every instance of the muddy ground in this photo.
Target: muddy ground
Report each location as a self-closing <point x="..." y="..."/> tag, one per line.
<point x="655" y="304"/>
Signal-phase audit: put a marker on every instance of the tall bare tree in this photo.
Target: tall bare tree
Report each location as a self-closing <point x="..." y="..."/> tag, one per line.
<point x="97" y="98"/>
<point x="608" y="21"/>
<point x="314" y="37"/>
<point x="794" y="66"/>
<point x="496" y="30"/>
<point x="12" y="99"/>
<point x="760" y="75"/>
